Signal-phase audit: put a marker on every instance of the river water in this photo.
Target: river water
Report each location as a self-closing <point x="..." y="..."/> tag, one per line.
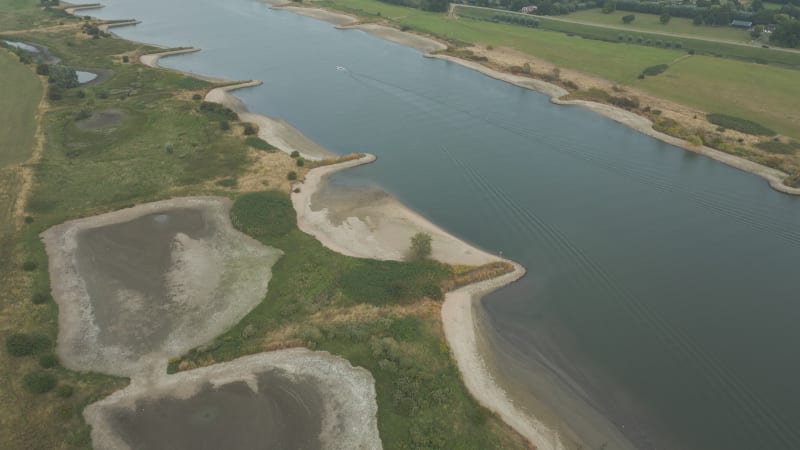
<point x="662" y="289"/>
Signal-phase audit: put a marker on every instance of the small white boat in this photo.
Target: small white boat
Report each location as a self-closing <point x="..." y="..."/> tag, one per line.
<point x="341" y="69"/>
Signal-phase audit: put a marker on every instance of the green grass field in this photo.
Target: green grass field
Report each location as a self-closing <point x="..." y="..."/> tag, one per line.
<point x="25" y="14"/>
<point x="650" y="22"/>
<point x="763" y="94"/>
<point x="21" y="90"/>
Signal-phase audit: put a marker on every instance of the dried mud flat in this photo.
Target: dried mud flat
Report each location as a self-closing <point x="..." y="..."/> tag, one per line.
<point x="291" y="398"/>
<point x="141" y="285"/>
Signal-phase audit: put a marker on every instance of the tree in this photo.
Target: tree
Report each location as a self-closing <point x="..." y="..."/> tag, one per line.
<point x="757" y="30"/>
<point x="609" y="6"/>
<point x="664" y="19"/>
<point x="787" y="34"/>
<point x="62" y="76"/>
<point x="628" y="18"/>
<point x="420" y="246"/>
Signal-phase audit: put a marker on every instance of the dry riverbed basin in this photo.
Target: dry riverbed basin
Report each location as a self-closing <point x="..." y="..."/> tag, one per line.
<point x="287" y="399"/>
<point x="139" y="286"/>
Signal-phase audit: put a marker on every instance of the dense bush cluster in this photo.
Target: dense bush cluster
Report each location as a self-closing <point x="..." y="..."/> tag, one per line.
<point x="263" y="215"/>
<point x="21" y="344"/>
<point x="739" y="124"/>
<point x="215" y="111"/>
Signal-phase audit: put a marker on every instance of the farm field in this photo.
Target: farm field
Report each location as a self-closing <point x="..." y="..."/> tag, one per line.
<point x="650" y="22"/>
<point x="21" y="90"/>
<point x="771" y="92"/>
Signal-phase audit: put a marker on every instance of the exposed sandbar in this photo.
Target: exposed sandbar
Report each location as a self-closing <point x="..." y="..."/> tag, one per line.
<point x="368" y="223"/>
<point x="275" y="131"/>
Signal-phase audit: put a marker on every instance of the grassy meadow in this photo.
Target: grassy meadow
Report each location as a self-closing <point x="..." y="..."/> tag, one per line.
<point x="22" y="91"/>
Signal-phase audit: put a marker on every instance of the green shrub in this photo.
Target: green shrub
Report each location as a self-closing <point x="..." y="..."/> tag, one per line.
<point x="224" y="125"/>
<point x="83" y="114"/>
<point x="197" y="97"/>
<point x="215" y="111"/>
<point x="739" y="124"/>
<point x="695" y="140"/>
<point x="125" y="59"/>
<point x="420" y="246"/>
<point x="227" y="182"/>
<point x="295" y="154"/>
<point x="40" y="298"/>
<point x="21" y="344"/>
<point x="778" y="147"/>
<point x="39" y="382"/>
<point x="29" y="266"/>
<point x="263" y="215"/>
<point x="387" y="282"/>
<point x="300" y="162"/>
<point x="48" y="360"/>
<point x="655" y="70"/>
<point x="260" y="144"/>
<point x="291" y="176"/>
<point x="65" y="390"/>
<point x="250" y="129"/>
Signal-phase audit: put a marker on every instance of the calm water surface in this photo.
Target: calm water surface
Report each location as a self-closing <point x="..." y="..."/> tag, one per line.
<point x="662" y="285"/>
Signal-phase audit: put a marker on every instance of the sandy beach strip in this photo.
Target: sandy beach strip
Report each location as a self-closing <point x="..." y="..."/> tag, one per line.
<point x="460" y="331"/>
<point x="275" y="131"/>
<point x="379" y="227"/>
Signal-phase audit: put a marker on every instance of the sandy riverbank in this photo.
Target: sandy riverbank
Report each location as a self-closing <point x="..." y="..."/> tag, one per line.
<point x="368" y="223"/>
<point x="275" y="131"/>
<point x="460" y="331"/>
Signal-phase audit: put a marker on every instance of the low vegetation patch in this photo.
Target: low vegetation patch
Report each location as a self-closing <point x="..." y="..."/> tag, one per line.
<point x="39" y="382"/>
<point x="739" y="124"/>
<point x="779" y="147"/>
<point x="21" y="344"/>
<point x="654" y="70"/>
<point x="260" y="144"/>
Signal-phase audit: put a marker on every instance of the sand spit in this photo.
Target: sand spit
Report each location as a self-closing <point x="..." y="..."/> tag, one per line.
<point x="139" y="286"/>
<point x="72" y="8"/>
<point x="460" y="331"/>
<point x="348" y="412"/>
<point x="275" y="131"/>
<point x="368" y="223"/>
